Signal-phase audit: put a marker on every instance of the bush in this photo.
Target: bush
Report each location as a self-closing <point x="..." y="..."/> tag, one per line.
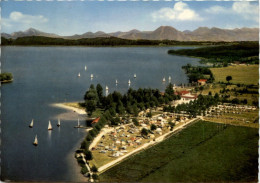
<point x="136" y="123"/>
<point x="95" y="176"/>
<point x="94" y="169"/>
<point x="144" y="132"/>
<point x="88" y="155"/>
<point x="84" y="170"/>
<point x="153" y="127"/>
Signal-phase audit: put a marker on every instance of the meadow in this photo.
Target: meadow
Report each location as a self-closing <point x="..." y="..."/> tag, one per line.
<point x="202" y="152"/>
<point x="243" y="74"/>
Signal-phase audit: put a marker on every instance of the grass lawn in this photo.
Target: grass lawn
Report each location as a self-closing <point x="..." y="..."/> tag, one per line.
<point x="240" y="74"/>
<point x="202" y="152"/>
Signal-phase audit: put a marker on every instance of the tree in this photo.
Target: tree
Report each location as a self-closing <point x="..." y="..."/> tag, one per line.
<point x="228" y="78"/>
<point x="94" y="169"/>
<point x="144" y="132"/>
<point x="153" y="127"/>
<point x="88" y="155"/>
<point x="136" y="123"/>
<point x="99" y="92"/>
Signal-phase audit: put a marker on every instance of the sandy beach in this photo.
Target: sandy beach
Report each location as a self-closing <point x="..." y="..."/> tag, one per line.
<point x="71" y="114"/>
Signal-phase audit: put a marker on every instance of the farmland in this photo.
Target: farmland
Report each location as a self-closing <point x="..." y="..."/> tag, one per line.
<point x="201" y="152"/>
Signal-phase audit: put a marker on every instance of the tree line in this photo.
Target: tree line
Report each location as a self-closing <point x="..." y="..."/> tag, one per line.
<point x="195" y="73"/>
<point x="99" y="41"/>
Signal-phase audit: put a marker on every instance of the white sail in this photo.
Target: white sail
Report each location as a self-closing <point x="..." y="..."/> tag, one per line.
<point x="31" y="125"/>
<point x="116" y="81"/>
<point x="106" y="87"/>
<point x="163" y="79"/>
<point x="85" y="67"/>
<point x="129" y="82"/>
<point x="170" y="78"/>
<point x="35" y="141"/>
<point x="79" y="75"/>
<point x="134" y="75"/>
<point x="49" y="126"/>
<point x="91" y="76"/>
<point x="58" y="122"/>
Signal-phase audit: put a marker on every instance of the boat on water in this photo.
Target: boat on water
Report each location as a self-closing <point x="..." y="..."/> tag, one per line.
<point x="58" y="124"/>
<point x="106" y="88"/>
<point x="31" y="125"/>
<point x="163" y="79"/>
<point x="79" y="75"/>
<point x="170" y="78"/>
<point x="35" y="141"/>
<point x="134" y="75"/>
<point x="116" y="81"/>
<point x="85" y="67"/>
<point x="49" y="126"/>
<point x="129" y="82"/>
<point x="91" y="76"/>
<point x="78" y="126"/>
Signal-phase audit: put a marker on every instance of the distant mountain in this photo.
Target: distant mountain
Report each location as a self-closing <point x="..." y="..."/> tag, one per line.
<point x="161" y="33"/>
<point x="29" y="32"/>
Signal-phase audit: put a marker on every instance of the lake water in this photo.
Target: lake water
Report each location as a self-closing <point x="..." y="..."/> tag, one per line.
<point x="47" y="75"/>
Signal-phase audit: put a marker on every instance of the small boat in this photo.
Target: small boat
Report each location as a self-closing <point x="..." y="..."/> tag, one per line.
<point x="106" y="88"/>
<point x="78" y="126"/>
<point x="129" y="82"/>
<point x="35" y="141"/>
<point x="85" y="67"/>
<point x="49" y="126"/>
<point x="134" y="75"/>
<point x="116" y="81"/>
<point x="31" y="125"/>
<point x="79" y="75"/>
<point x="163" y="79"/>
<point x="58" y="124"/>
<point x="170" y="78"/>
<point x="91" y="76"/>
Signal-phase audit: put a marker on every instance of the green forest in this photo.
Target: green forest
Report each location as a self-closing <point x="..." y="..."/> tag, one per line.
<point x="243" y="52"/>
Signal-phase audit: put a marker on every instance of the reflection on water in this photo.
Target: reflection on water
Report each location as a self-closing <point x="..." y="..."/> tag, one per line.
<point x="49" y="135"/>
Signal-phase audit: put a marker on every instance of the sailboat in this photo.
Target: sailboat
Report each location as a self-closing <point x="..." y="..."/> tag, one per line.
<point x="31" y="125"/>
<point x="35" y="141"/>
<point x="91" y="76"/>
<point x="129" y="82"/>
<point x="116" y="81"/>
<point x="79" y="75"/>
<point x="134" y="75"/>
<point x="163" y="79"/>
<point x="49" y="126"/>
<point x="58" y="124"/>
<point x="85" y="67"/>
<point x="78" y="126"/>
<point x="170" y="78"/>
<point x="106" y="88"/>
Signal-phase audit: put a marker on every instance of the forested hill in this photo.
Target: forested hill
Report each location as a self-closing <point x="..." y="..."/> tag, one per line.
<point x="100" y="41"/>
<point x="243" y="52"/>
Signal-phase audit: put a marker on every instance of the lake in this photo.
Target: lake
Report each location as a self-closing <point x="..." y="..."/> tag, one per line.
<point x="47" y="75"/>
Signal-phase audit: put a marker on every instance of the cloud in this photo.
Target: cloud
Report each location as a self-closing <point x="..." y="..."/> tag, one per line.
<point x="21" y="21"/>
<point x="180" y="12"/>
<point x="244" y="9"/>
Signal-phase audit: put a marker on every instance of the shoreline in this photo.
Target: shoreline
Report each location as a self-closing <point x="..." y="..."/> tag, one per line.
<point x="70" y="108"/>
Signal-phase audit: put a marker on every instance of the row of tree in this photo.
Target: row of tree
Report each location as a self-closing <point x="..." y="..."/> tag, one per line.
<point x="195" y="73"/>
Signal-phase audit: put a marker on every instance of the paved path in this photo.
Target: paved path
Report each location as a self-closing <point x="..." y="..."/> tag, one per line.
<point x="157" y="140"/>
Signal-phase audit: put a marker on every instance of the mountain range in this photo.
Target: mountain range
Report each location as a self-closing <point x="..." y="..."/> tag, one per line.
<point x="161" y="33"/>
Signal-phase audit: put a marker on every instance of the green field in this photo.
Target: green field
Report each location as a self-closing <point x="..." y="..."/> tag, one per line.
<point x="202" y="152"/>
<point x="242" y="74"/>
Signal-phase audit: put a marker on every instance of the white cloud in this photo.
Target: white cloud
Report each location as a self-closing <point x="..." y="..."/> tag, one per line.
<point x="20" y="21"/>
<point x="244" y="9"/>
<point x="180" y="11"/>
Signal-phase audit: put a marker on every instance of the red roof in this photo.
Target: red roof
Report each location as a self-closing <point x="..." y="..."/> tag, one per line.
<point x="95" y="120"/>
<point x="202" y="80"/>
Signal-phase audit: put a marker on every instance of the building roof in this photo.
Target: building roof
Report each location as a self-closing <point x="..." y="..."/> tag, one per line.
<point x="202" y="80"/>
<point x="95" y="120"/>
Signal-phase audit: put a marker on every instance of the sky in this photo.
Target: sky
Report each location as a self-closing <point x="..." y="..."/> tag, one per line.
<point x="77" y="17"/>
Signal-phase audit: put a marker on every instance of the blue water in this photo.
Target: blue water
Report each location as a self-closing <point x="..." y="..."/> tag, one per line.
<point x="46" y="75"/>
